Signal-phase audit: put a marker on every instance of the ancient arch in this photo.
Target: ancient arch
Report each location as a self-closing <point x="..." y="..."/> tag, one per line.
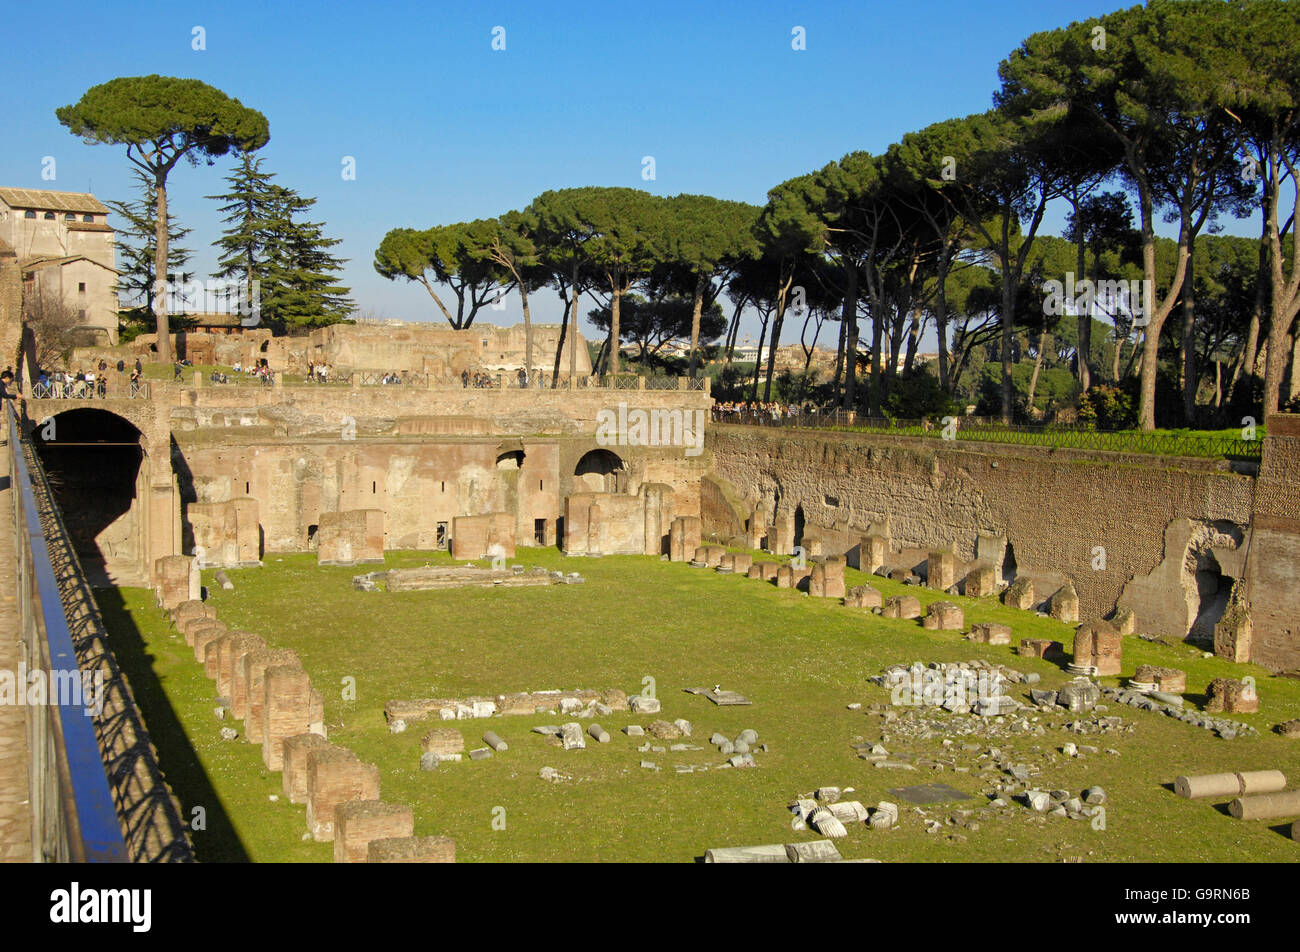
<point x="99" y="470"/>
<point x="600" y="470"/>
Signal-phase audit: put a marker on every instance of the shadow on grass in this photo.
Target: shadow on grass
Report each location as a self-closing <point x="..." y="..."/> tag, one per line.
<point x="217" y="842"/>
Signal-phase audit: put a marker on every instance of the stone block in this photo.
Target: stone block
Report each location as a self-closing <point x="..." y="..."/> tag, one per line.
<point x="740" y="562"/>
<point x="1020" y="594"/>
<point x="1125" y="621"/>
<point x="1064" y="605"/>
<point x="293" y="776"/>
<point x="780" y="537"/>
<point x="1039" y="648"/>
<point x="176" y="580"/>
<point x="205" y="635"/>
<point x="766" y="571"/>
<point x="902" y="606"/>
<point x="1230" y="696"/>
<point x="1167" y="680"/>
<point x="191" y="609"/>
<point x="413" y="849"/>
<point x="491" y="535"/>
<point x="990" y="633"/>
<point x="443" y="741"/>
<point x="227" y="532"/>
<point x="712" y="555"/>
<point x="335" y="776"/>
<point x="286" y="703"/>
<point x="981" y="581"/>
<point x="814" y="547"/>
<point x="940" y="571"/>
<point x="789" y="575"/>
<point x="248" y="695"/>
<point x="863" y="596"/>
<point x="212" y="655"/>
<point x="873" y="551"/>
<point x="230" y="653"/>
<point x="192" y="625"/>
<point x="359" y="822"/>
<point x="944" y="616"/>
<point x="827" y="579"/>
<point x="1098" y="644"/>
<point x="352" y="537"/>
<point x="1078" y="695"/>
<point x="684" y="537"/>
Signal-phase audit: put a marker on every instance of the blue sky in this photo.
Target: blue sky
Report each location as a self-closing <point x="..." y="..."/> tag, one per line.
<point x="443" y="128"/>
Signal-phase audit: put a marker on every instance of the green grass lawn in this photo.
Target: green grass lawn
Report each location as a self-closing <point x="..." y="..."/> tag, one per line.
<point x="800" y="660"/>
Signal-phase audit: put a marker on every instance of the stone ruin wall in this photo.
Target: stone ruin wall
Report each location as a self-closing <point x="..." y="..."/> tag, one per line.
<point x="1273" y="562"/>
<point x="1053" y="508"/>
<point x="421" y="457"/>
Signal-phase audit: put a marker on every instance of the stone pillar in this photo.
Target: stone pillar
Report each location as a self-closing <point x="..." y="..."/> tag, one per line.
<point x="335" y="776"/>
<point x="873" y="550"/>
<point x="285" y="710"/>
<point x="249" y="698"/>
<point x="685" y="536"/>
<point x="1098" y="645"/>
<point x="231" y="653"/>
<point x="358" y="822"/>
<point x="940" y="572"/>
<point x="294" y="775"/>
<point x="176" y="580"/>
<point x="594" y="527"/>
<point x="413" y="849"/>
<point x="1064" y="605"/>
<point x="756" y="531"/>
<point x="981" y="581"/>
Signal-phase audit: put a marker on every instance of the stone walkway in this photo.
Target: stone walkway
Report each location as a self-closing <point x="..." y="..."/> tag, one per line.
<point x="15" y="809"/>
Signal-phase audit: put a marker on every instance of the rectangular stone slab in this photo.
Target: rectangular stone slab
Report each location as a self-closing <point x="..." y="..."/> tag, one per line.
<point x="722" y="698"/>
<point x="923" y="793"/>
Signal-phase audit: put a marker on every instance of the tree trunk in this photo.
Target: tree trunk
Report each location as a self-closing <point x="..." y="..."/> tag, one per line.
<point x="758" y="360"/>
<point x="913" y="336"/>
<point x="615" y="300"/>
<point x="836" y="390"/>
<point x="528" y="331"/>
<point x="849" y="316"/>
<point x="697" y="307"/>
<point x="573" y="343"/>
<point x="873" y="395"/>
<point x="1083" y="343"/>
<point x="160" y="270"/>
<point x="1293" y="381"/>
<point x="1007" y="320"/>
<point x="1038" y="365"/>
<point x="1191" y="376"/>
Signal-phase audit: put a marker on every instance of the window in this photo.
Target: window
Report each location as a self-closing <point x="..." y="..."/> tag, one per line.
<point x="29" y="214"/>
<point x="88" y="219"/>
<point x="81" y="287"/>
<point x="81" y="315"/>
<point x="49" y="216"/>
<point x="70" y="216"/>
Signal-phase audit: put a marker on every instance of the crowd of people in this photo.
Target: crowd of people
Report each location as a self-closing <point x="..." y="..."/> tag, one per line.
<point x="82" y="383"/>
<point x="735" y="410"/>
<point x="317" y="373"/>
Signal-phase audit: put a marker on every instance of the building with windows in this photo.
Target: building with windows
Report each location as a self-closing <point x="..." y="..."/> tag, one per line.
<point x="64" y="247"/>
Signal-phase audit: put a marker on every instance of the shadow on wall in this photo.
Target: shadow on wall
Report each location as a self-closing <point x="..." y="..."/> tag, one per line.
<point x="218" y="843"/>
<point x="92" y="459"/>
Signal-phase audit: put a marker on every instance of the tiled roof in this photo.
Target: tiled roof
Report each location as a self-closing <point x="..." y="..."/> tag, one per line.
<point x="45" y="199"/>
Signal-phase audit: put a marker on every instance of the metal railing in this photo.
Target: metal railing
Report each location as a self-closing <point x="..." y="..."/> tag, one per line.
<point x="108" y="389"/>
<point x="960" y="428"/>
<point x="74" y="818"/>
